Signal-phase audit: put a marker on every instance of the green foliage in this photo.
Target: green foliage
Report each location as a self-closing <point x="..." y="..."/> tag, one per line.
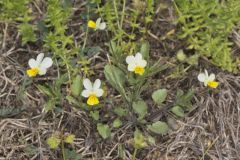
<point x="53" y="141"/>
<point x="158" y="127"/>
<point x="76" y="86"/>
<point x="69" y="138"/>
<point x="31" y="150"/>
<point x="11" y="10"/>
<point x="206" y="24"/>
<point x="54" y="93"/>
<point x="27" y="32"/>
<point x="117" y="123"/>
<point x="120" y="111"/>
<point x="140" y="107"/>
<point x="139" y="140"/>
<point x="159" y="96"/>
<point x="10" y="111"/>
<point x="94" y="115"/>
<point x="56" y="40"/>
<point x="71" y="154"/>
<point x="178" y="111"/>
<point x="145" y="48"/>
<point x="104" y="130"/>
<point x="18" y="11"/>
<point x="184" y="99"/>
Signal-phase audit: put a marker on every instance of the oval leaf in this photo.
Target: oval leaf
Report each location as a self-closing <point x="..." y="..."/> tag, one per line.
<point x="177" y="110"/>
<point x="159" y="96"/>
<point x="158" y="127"/>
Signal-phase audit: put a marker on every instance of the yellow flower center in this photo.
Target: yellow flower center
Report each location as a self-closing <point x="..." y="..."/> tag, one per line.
<point x="213" y="84"/>
<point x="92" y="100"/>
<point x="92" y="24"/>
<point x="32" y="72"/>
<point x="139" y="70"/>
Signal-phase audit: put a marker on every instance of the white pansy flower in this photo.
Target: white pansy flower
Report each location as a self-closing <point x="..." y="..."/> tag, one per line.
<point x="136" y="64"/>
<point x="39" y="66"/>
<point x="208" y="80"/>
<point x="92" y="91"/>
<point x="97" y="25"/>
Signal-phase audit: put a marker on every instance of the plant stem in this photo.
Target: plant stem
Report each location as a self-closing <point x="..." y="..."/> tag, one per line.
<point x="63" y="150"/>
<point x="134" y="154"/>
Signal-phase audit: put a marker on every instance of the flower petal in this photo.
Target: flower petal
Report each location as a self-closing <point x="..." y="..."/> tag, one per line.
<point x="102" y="26"/>
<point x="96" y="84"/>
<point x="130" y="59"/>
<point x="206" y="73"/>
<point x="86" y="93"/>
<point x="47" y="62"/>
<point x="87" y="84"/>
<point x="42" y="71"/>
<point x="32" y="63"/>
<point x="99" y="92"/>
<point x="202" y="77"/>
<point x="131" y="67"/>
<point x="211" y="77"/>
<point x="138" y="56"/>
<point x="39" y="58"/>
<point x="98" y="21"/>
<point x="142" y="63"/>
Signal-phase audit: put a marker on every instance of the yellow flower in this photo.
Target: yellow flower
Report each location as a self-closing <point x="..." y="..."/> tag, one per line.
<point x="39" y="66"/>
<point x="208" y="80"/>
<point x="92" y="91"/>
<point x="97" y="25"/>
<point x="136" y="64"/>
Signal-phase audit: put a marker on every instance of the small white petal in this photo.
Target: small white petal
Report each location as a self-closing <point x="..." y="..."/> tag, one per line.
<point x="202" y="77"/>
<point x="96" y="84"/>
<point x="98" y="21"/>
<point x="42" y="71"/>
<point x="211" y="77"/>
<point x="39" y="58"/>
<point x="47" y="62"/>
<point x="99" y="92"/>
<point x="86" y="93"/>
<point x="130" y="59"/>
<point x="32" y="63"/>
<point x="87" y="84"/>
<point x="138" y="56"/>
<point x="102" y="26"/>
<point x="142" y="63"/>
<point x="131" y="67"/>
<point x="206" y="72"/>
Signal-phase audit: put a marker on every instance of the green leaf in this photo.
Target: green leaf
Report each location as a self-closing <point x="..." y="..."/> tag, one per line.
<point x="45" y="90"/>
<point x="120" y="111"/>
<point x="117" y="123"/>
<point x="158" y="127"/>
<point x="76" y="86"/>
<point x="145" y="50"/>
<point x="177" y="110"/>
<point x="184" y="99"/>
<point x="159" y="96"/>
<point x="104" y="130"/>
<point x="53" y="141"/>
<point x="95" y="115"/>
<point x="181" y="56"/>
<point x="50" y="105"/>
<point x="69" y="138"/>
<point x="151" y="140"/>
<point x="139" y="140"/>
<point x="140" y="107"/>
<point x="72" y="154"/>
<point x="115" y="77"/>
<point x="72" y="100"/>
